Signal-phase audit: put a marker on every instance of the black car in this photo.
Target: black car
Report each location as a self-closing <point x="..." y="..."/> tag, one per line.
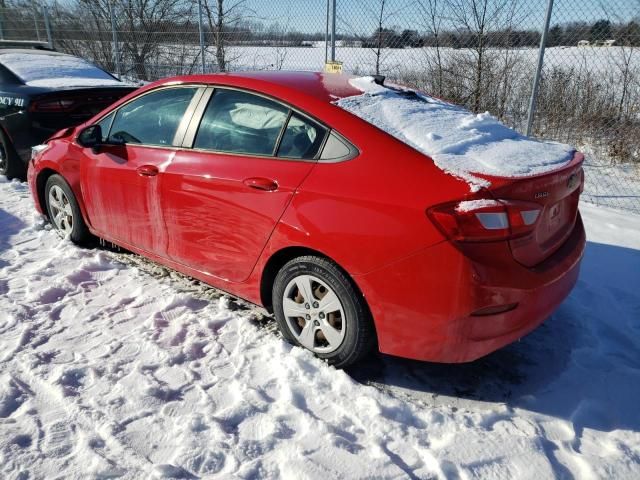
<point x="43" y="91"/>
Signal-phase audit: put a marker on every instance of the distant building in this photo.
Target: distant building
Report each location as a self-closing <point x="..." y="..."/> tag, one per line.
<point x="584" y="43"/>
<point x="610" y="43"/>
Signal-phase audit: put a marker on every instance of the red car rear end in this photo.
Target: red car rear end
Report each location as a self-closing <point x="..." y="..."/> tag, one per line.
<point x="484" y="287"/>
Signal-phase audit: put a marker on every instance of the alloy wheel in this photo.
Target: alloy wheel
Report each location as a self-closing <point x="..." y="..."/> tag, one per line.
<point x="61" y="211"/>
<point x="314" y="314"/>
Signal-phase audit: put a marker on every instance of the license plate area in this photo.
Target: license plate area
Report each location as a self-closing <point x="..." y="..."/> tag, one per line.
<point x="555" y="217"/>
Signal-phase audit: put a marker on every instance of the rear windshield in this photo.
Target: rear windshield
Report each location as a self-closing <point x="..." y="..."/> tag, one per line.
<point x="56" y="71"/>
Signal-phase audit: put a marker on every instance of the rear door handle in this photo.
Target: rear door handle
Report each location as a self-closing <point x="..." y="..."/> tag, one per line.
<point x="147" y="170"/>
<point x="261" y="183"/>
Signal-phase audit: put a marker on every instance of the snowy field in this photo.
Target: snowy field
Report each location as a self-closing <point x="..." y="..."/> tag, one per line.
<point x="113" y="367"/>
<point x="400" y="60"/>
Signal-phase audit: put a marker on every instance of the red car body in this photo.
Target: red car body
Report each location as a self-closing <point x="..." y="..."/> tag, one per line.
<point x="431" y="298"/>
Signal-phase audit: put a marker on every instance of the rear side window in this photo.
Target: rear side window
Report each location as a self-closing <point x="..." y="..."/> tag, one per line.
<point x="302" y="138"/>
<point x="240" y="122"/>
<point x="152" y="119"/>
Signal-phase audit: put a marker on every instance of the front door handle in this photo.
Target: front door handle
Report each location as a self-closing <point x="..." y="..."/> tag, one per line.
<point x="147" y="170"/>
<point x="261" y="183"/>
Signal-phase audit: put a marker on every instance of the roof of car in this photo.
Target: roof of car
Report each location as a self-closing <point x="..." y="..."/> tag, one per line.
<point x="32" y="51"/>
<point x="326" y="87"/>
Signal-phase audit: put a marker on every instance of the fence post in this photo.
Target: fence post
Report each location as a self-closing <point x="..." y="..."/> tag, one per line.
<point x="201" y="30"/>
<point x="114" y="33"/>
<point x="1" y="20"/>
<point x="35" y="22"/>
<point x="333" y="31"/>
<point x="47" y="26"/>
<point x="536" y="80"/>
<point x="326" y="35"/>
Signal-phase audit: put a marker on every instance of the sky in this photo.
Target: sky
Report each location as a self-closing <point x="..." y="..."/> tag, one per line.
<point x="360" y="16"/>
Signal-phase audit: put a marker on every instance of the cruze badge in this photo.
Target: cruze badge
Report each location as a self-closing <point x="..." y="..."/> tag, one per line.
<point x="541" y="195"/>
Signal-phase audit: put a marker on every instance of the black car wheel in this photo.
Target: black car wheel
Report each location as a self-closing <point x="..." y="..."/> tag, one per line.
<point x="318" y="308"/>
<point x="10" y="164"/>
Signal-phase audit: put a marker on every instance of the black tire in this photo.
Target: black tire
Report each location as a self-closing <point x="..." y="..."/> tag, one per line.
<point x="10" y="163"/>
<point x="359" y="337"/>
<point x="79" y="233"/>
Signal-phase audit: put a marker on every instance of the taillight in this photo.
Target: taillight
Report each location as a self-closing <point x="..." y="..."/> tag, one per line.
<point x="59" y="105"/>
<point x="485" y="220"/>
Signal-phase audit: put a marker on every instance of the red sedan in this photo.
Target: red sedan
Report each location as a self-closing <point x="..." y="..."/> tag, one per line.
<point x="276" y="188"/>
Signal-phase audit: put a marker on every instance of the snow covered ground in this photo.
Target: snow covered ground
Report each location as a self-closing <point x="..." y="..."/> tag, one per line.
<point x="400" y="60"/>
<point x="113" y="367"/>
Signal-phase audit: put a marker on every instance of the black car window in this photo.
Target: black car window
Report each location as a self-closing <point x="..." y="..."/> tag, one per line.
<point x="153" y="118"/>
<point x="302" y="138"/>
<point x="239" y="122"/>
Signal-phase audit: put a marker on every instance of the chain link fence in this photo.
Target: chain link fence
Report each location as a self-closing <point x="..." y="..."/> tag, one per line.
<point x="482" y="54"/>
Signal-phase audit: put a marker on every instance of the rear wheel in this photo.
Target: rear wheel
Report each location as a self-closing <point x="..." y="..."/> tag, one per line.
<point x="318" y="308"/>
<point x="10" y="164"/>
<point x="64" y="212"/>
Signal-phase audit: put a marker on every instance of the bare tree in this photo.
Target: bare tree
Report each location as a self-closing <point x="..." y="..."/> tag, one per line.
<point x="379" y="35"/>
<point x="383" y="37"/>
<point x="223" y="18"/>
<point x="508" y="62"/>
<point x="477" y="18"/>
<point x="94" y="23"/>
<point x="141" y="26"/>
<point x="144" y="22"/>
<point x="431" y="17"/>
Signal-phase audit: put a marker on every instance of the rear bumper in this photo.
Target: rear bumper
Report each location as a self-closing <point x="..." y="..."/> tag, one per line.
<point x="27" y="130"/>
<point x="423" y="305"/>
<point x="25" y="133"/>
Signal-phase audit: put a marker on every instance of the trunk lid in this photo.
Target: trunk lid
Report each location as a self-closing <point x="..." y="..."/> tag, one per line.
<point x="557" y="194"/>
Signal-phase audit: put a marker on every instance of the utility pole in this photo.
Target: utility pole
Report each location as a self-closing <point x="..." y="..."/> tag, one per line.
<point x="333" y="31"/>
<point x="201" y="30"/>
<point x="47" y="26"/>
<point x="114" y="33"/>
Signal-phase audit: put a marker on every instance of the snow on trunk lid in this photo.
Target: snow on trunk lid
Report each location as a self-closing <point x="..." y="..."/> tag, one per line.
<point x="459" y="142"/>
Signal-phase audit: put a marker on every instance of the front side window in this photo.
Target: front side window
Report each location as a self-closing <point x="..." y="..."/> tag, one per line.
<point x="105" y="126"/>
<point x="152" y="119"/>
<point x="240" y="122"/>
<point x="302" y="138"/>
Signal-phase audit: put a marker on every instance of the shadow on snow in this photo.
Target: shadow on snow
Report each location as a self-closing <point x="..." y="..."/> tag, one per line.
<point x="9" y="226"/>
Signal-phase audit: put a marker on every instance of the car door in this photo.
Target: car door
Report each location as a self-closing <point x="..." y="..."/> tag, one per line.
<point x="224" y="196"/>
<point x="120" y="180"/>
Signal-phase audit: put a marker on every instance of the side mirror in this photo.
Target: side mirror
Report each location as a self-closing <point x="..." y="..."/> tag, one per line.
<point x="90" y="137"/>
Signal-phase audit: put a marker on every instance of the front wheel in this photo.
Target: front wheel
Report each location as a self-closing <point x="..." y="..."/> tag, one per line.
<point x="318" y="308"/>
<point x="64" y="212"/>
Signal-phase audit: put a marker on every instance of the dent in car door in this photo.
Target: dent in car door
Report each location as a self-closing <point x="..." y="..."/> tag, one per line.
<point x="220" y="208"/>
<point x="121" y="183"/>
